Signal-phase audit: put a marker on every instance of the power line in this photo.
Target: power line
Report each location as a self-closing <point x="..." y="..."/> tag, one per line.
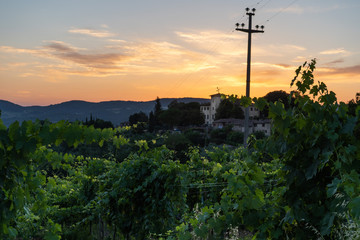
<point x="210" y="51"/>
<point x="266" y="3"/>
<point x="188" y="75"/>
<point x="280" y="11"/>
<point x="256" y="4"/>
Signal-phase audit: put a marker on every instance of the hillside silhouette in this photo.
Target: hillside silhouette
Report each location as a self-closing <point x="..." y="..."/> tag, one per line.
<point x="114" y="111"/>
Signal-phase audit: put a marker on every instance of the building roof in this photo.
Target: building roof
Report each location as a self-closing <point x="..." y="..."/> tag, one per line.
<point x="264" y="120"/>
<point x="232" y="121"/>
<point x="240" y="122"/>
<point x="205" y="104"/>
<point x="217" y="95"/>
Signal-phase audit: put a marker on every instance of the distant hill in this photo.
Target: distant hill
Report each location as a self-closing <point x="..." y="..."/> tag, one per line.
<point x="114" y="111"/>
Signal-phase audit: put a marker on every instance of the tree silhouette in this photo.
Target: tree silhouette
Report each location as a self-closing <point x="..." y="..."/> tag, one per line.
<point x="278" y="95"/>
<point x="158" y="108"/>
<point x="274" y="96"/>
<point x="182" y="114"/>
<point x="154" y="116"/>
<point x="229" y="109"/>
<point x="138" y="117"/>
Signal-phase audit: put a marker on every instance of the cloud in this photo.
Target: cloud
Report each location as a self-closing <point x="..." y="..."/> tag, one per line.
<point x="294" y="9"/>
<point x="335" y="61"/>
<point x="351" y="70"/>
<point x="264" y="65"/>
<point x="60" y="46"/>
<point x="300" y="10"/>
<point x="142" y="57"/>
<point x="17" y="64"/>
<point x="214" y="42"/>
<point x="334" y="51"/>
<point x="162" y="57"/>
<point x="116" y="40"/>
<point x="295" y="47"/>
<point x="206" y="36"/>
<point x="283" y="66"/>
<point x="10" y="49"/>
<point x="278" y="50"/>
<point x="300" y="59"/>
<point x="23" y="92"/>
<point x="92" y="32"/>
<point x="68" y="53"/>
<point x="198" y="52"/>
<point x="290" y="9"/>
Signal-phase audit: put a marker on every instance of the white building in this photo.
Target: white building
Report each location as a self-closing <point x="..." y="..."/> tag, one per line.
<point x="209" y="109"/>
<point x="260" y="125"/>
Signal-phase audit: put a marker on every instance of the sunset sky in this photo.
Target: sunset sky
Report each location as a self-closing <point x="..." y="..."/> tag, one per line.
<point x="54" y="51"/>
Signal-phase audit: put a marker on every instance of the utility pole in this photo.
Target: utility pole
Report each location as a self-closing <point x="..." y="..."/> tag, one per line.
<point x="249" y="31"/>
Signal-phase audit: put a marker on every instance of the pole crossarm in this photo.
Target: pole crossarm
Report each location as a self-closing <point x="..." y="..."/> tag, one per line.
<point x="247" y="30"/>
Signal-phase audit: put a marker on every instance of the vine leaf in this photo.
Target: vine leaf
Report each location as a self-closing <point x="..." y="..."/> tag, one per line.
<point x="332" y="187"/>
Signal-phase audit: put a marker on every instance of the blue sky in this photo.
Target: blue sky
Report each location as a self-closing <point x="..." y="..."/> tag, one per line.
<point x="54" y="51"/>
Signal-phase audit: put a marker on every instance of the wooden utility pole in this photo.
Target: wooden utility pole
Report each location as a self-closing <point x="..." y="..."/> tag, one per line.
<point x="249" y="31"/>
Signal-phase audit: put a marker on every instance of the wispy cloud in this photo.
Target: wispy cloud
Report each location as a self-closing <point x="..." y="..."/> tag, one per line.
<point x="295" y="47"/>
<point x="334" y="51"/>
<point x="279" y="50"/>
<point x="214" y="42"/>
<point x="207" y="36"/>
<point x="265" y="65"/>
<point x="119" y="57"/>
<point x="10" y="49"/>
<point x="336" y="61"/>
<point x="101" y="60"/>
<point x="296" y="9"/>
<point x="92" y="32"/>
<point x="291" y="9"/>
<point x="349" y="71"/>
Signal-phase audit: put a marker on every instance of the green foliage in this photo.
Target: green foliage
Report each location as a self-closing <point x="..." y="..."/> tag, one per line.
<point x="226" y="136"/>
<point x="302" y="182"/>
<point x="276" y="96"/>
<point x="98" y="123"/>
<point x="232" y="194"/>
<point x="179" y="143"/>
<point x="315" y="143"/>
<point x="259" y="134"/>
<point x="143" y="194"/>
<point x="22" y="176"/>
<point x="195" y="137"/>
<point x="235" y="138"/>
<point x="219" y="135"/>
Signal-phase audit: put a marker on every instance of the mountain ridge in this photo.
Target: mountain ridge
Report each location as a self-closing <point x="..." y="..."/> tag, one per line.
<point x="116" y="111"/>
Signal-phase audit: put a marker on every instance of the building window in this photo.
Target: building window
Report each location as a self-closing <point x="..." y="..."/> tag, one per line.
<point x="263" y="124"/>
<point x="213" y="116"/>
<point x="207" y="116"/>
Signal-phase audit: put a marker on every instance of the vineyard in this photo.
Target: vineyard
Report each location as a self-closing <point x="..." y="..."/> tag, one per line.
<point x="69" y="181"/>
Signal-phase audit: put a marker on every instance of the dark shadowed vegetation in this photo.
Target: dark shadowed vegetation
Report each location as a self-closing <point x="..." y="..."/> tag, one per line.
<point x="73" y="181"/>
